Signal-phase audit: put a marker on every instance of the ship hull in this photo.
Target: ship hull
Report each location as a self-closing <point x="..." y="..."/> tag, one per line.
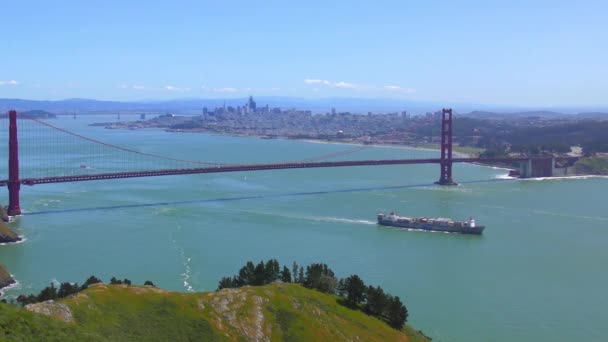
<point x="477" y="230"/>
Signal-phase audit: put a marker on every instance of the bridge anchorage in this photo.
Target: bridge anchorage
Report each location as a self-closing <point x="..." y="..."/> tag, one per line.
<point x="529" y="167"/>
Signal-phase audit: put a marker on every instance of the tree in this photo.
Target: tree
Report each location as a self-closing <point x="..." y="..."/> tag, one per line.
<point x="341" y="287"/>
<point x="246" y="274"/>
<point x="66" y="289"/>
<point x="115" y="281"/>
<point x="227" y="283"/>
<point x="259" y="275"/>
<point x="376" y="301"/>
<point x="272" y="271"/>
<point x="49" y="292"/>
<point x="92" y="280"/>
<point x="294" y="271"/>
<point x="25" y="300"/>
<point x="396" y="313"/>
<point x="320" y="277"/>
<point x="355" y="290"/>
<point x="327" y="284"/>
<point x="149" y="283"/>
<point x="126" y="281"/>
<point x="285" y="275"/>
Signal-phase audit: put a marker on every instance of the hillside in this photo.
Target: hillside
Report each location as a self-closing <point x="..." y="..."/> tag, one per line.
<point x="593" y="165"/>
<point x="275" y="312"/>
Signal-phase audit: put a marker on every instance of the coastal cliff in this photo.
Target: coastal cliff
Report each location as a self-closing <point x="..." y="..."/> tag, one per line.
<point x="5" y="277"/>
<point x="6" y="234"/>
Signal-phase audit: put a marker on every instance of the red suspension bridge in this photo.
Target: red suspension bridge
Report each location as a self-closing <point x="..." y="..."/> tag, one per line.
<point x="530" y="167"/>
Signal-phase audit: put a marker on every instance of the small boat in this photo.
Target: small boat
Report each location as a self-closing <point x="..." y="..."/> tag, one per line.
<point x="431" y="224"/>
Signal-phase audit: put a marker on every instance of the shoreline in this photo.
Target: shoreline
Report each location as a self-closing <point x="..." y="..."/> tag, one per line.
<point x="405" y="147"/>
<point x="14" y="285"/>
<point x="386" y="145"/>
<point x="308" y="140"/>
<point x="6" y="279"/>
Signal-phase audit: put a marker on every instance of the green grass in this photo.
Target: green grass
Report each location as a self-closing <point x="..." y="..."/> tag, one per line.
<point x="17" y="324"/>
<point x="592" y="165"/>
<point x="281" y="312"/>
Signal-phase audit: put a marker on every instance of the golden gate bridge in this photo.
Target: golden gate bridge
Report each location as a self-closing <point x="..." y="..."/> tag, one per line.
<point x="46" y="161"/>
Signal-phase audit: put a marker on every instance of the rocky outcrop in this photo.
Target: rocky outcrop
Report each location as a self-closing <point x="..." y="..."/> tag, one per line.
<point x="3" y="214"/>
<point x="53" y="309"/>
<point x="5" y="277"/>
<point x="6" y="234"/>
<point x="228" y="305"/>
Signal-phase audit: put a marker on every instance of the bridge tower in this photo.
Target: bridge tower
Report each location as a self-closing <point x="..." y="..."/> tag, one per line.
<point x="445" y="177"/>
<point x="14" y="184"/>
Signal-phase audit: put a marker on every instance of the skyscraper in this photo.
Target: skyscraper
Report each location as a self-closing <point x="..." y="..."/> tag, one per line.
<point x="251" y="104"/>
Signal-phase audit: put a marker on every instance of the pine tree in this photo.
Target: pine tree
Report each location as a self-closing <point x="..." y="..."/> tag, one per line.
<point x="294" y="271"/>
<point x="355" y="290"/>
<point x="49" y="292"/>
<point x="301" y="275"/>
<point x="246" y="274"/>
<point x="286" y="275"/>
<point x="376" y="301"/>
<point x="396" y="313"/>
<point x="227" y="283"/>
<point x="92" y="280"/>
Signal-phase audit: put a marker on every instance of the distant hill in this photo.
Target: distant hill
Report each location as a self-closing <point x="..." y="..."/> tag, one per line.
<point x="593" y="115"/>
<point x="514" y="115"/>
<point x="543" y="114"/>
<point x="275" y="312"/>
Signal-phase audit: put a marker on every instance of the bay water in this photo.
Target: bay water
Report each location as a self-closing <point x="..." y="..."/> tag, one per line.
<point x="537" y="273"/>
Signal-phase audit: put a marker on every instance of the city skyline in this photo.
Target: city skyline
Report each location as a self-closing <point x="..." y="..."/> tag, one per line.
<point x="548" y="53"/>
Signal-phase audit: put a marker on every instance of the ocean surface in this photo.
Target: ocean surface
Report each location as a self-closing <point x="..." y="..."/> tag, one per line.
<point x="537" y="273"/>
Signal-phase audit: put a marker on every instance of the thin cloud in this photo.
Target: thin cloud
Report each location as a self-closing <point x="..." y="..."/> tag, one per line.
<point x="344" y="85"/>
<point x="176" y="89"/>
<point x="341" y="84"/>
<point x="9" y="83"/>
<point x="316" y="81"/>
<point x="226" y="90"/>
<point x="134" y="87"/>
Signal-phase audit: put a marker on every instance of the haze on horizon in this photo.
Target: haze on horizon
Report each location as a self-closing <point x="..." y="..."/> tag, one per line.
<point x="541" y="53"/>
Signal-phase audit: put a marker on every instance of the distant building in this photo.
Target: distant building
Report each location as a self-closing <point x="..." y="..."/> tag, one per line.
<point x="251" y="104"/>
<point x="333" y="111"/>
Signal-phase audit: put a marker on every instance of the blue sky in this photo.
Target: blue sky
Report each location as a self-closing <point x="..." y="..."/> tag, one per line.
<point x="528" y="53"/>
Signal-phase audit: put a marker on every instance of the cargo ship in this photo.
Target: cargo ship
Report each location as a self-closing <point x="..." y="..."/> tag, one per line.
<point x="432" y="224"/>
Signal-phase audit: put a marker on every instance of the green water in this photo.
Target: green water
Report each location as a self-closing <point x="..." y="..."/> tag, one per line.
<point x="537" y="273"/>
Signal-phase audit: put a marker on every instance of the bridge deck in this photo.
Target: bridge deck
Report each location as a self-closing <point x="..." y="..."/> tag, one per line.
<point x="254" y="167"/>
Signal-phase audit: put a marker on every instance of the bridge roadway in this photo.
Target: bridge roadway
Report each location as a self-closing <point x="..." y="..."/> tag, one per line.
<point x="255" y="167"/>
